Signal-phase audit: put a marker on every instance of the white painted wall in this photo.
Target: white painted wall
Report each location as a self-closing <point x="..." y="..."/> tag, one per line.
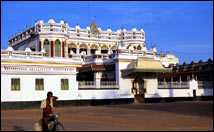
<point x="151" y="85"/>
<point x="154" y="92"/>
<point x="204" y="92"/>
<point x="28" y="92"/>
<point x="98" y="94"/>
<point x="52" y="83"/>
<point x="170" y="93"/>
<point x="125" y="84"/>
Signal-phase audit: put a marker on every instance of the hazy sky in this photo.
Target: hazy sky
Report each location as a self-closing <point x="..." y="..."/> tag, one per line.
<point x="184" y="29"/>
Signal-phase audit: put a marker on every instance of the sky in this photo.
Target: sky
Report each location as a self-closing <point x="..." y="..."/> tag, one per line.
<point x="182" y="28"/>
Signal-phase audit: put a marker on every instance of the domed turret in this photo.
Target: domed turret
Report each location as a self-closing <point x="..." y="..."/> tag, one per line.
<point x="109" y="30"/>
<point x="51" y="21"/>
<point x="41" y="21"/>
<point x="142" y="30"/>
<point x="62" y="22"/>
<point x="77" y="26"/>
<point x="154" y="49"/>
<point x="28" y="49"/>
<point x="66" y="24"/>
<point x="99" y="28"/>
<point x="10" y="48"/>
<point x="118" y="31"/>
<point x="88" y="28"/>
<point x="134" y="29"/>
<point x="144" y="49"/>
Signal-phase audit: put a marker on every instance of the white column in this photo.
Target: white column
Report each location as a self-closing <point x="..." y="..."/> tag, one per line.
<point x="78" y="51"/>
<point x="66" y="51"/>
<point x="97" y="79"/>
<point x="179" y="78"/>
<point x="188" y="77"/>
<point x="88" y="52"/>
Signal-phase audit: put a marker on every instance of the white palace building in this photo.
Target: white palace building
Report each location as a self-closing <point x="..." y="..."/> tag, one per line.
<point x="84" y="66"/>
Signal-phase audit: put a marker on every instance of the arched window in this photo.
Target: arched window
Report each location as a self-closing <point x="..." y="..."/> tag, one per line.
<point x="128" y="46"/>
<point x="57" y="48"/>
<point x="83" y="47"/>
<point x="72" y="47"/>
<point x="138" y="47"/>
<point x="104" y="49"/>
<point x="46" y="46"/>
<point x="113" y="48"/>
<point x="93" y="48"/>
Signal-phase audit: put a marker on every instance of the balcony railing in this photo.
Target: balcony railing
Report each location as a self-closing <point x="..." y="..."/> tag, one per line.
<point x="173" y="85"/>
<point x="72" y="32"/>
<point x="20" y="55"/>
<point x="90" y="85"/>
<point x="205" y="84"/>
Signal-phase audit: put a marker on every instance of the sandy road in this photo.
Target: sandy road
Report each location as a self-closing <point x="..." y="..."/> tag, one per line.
<point x="178" y="116"/>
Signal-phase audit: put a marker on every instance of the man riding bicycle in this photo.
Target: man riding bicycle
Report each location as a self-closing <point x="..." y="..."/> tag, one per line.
<point x="47" y="106"/>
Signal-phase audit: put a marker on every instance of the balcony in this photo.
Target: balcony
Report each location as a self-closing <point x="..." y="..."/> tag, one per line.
<point x="104" y="85"/>
<point x="38" y="57"/>
<point x="173" y="85"/>
<point x="205" y="84"/>
<point x="83" y="33"/>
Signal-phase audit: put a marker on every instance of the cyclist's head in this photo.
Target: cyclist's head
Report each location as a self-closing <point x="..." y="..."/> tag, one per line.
<point x="49" y="94"/>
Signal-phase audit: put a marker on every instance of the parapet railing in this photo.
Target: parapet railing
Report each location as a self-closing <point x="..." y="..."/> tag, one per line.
<point x="205" y="84"/>
<point x="5" y="54"/>
<point x="72" y="32"/>
<point x="103" y="85"/>
<point x="173" y="85"/>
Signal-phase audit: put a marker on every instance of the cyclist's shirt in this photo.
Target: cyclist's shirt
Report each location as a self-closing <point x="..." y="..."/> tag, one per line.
<point x="44" y="103"/>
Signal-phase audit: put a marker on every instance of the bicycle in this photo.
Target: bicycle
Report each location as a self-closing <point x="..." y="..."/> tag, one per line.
<point x="55" y="125"/>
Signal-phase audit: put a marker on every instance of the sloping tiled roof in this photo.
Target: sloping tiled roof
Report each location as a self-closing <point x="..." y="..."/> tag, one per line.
<point x="145" y="65"/>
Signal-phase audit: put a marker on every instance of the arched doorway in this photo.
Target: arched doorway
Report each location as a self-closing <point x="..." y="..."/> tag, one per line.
<point x="93" y="48"/>
<point x="139" y="47"/>
<point x="140" y="87"/>
<point x="72" y="47"/>
<point x="104" y="49"/>
<point x="128" y="46"/>
<point x="83" y="47"/>
<point x="113" y="48"/>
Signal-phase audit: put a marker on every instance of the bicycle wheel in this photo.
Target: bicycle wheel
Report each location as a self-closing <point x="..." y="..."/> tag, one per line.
<point x="59" y="127"/>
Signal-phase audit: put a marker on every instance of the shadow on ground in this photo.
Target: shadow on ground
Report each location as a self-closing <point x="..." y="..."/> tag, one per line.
<point x="188" y="108"/>
<point x="18" y="128"/>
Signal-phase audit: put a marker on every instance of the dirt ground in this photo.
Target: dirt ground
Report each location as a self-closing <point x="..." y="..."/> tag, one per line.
<point x="173" y="116"/>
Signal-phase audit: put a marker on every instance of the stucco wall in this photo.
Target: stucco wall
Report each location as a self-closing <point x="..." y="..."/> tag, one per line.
<point x="125" y="84"/>
<point x="28" y="92"/>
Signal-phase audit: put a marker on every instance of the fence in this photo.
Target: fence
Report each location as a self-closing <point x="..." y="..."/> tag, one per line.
<point x="173" y="85"/>
<point x="205" y="84"/>
<point x="103" y="85"/>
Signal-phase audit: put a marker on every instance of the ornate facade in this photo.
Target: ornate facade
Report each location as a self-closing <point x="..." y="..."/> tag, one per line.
<point x="83" y="65"/>
<point x="60" y="40"/>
